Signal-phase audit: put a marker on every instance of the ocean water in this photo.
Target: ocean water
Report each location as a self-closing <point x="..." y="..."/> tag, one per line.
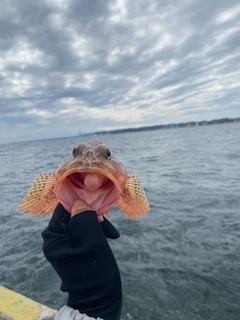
<point x="179" y="262"/>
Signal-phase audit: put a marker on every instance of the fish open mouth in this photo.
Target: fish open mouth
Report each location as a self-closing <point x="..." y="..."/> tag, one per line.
<point x="97" y="190"/>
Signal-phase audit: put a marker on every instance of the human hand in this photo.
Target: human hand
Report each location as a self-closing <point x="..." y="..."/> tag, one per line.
<point x="77" y="248"/>
<point x="81" y="206"/>
<point x="78" y="207"/>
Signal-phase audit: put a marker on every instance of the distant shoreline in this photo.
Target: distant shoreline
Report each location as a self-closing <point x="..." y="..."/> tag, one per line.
<point x="139" y="129"/>
<point x="169" y="126"/>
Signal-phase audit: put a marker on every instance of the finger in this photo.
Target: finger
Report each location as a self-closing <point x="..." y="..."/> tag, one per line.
<point x="106" y="215"/>
<point x="78" y="207"/>
<point x="85" y="229"/>
<point x="56" y="234"/>
<point x="109" y="230"/>
<point x="100" y="218"/>
<point x="60" y="216"/>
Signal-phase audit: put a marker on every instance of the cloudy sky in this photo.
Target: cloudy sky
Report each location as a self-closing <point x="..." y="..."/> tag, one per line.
<point x="94" y="65"/>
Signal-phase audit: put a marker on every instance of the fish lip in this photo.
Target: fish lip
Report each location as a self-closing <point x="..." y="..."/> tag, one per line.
<point x="104" y="172"/>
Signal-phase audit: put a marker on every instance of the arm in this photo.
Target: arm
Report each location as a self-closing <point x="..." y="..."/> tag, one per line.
<point x="79" y="252"/>
<point x="70" y="314"/>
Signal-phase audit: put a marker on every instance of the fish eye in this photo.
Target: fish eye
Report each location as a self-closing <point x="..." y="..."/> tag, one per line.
<point x="77" y="151"/>
<point x="108" y="153"/>
<point x="74" y="151"/>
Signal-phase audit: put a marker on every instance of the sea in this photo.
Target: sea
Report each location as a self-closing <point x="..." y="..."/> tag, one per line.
<point x="181" y="261"/>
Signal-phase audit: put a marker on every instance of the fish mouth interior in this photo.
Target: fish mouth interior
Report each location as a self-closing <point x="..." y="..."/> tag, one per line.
<point x="100" y="198"/>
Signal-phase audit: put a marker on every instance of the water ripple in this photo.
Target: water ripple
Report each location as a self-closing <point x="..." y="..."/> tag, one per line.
<point x="181" y="261"/>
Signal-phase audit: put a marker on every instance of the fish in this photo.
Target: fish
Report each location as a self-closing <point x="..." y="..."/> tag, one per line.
<point x="93" y="174"/>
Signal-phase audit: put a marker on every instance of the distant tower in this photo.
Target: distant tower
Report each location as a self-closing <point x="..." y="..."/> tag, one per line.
<point x="79" y="132"/>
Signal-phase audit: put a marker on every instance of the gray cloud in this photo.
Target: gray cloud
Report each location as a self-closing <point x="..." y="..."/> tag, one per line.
<point x="99" y="65"/>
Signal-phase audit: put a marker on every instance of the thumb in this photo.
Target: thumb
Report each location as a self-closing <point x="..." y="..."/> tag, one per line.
<point x="78" y="207"/>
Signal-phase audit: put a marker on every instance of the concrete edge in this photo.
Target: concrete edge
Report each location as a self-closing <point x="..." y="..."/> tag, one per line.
<point x="14" y="306"/>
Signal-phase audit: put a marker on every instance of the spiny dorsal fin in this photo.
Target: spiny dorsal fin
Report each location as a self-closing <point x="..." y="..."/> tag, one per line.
<point x="40" y="199"/>
<point x="133" y="200"/>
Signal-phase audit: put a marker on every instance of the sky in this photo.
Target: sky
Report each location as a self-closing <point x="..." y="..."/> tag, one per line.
<point x="89" y="65"/>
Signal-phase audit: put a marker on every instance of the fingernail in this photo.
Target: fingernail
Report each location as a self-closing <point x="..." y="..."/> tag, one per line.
<point x="106" y="216"/>
<point x="100" y="218"/>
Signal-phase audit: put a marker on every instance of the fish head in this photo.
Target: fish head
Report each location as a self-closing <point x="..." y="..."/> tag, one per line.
<point x="93" y="174"/>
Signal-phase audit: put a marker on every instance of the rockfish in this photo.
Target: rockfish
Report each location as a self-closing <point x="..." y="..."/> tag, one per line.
<point x="93" y="174"/>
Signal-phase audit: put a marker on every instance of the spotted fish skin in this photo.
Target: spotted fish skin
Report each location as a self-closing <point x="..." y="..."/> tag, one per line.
<point x="69" y="183"/>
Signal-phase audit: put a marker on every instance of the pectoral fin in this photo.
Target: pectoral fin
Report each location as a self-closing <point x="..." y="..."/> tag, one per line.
<point x="133" y="200"/>
<point x="40" y="199"/>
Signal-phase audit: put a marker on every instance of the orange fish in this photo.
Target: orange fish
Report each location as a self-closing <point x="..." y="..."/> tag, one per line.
<point x="93" y="174"/>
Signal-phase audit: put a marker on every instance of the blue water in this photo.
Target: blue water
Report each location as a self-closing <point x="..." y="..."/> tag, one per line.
<point x="179" y="262"/>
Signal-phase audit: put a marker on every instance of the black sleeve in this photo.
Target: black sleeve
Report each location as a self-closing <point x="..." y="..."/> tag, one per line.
<point x="79" y="252"/>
